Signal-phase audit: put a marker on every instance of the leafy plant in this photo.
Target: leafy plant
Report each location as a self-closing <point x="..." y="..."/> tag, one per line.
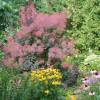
<point x="15" y="86"/>
<point x="91" y="62"/>
<point x="84" y="22"/>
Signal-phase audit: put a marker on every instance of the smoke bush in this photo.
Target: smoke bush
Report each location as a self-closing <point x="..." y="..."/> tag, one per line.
<point x="39" y="41"/>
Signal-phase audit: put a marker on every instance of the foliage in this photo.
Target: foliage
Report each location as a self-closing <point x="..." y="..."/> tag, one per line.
<point x="9" y="10"/>
<point x="3" y="15"/>
<point x="38" y="41"/>
<point x="47" y="81"/>
<point x="84" y="22"/>
<point x="92" y="94"/>
<point x="91" y="62"/>
<point x="6" y="13"/>
<point x="92" y="58"/>
<point x="90" y="78"/>
<point x="9" y="13"/>
<point x="79" y="17"/>
<point x="91" y="90"/>
<point x="16" y="86"/>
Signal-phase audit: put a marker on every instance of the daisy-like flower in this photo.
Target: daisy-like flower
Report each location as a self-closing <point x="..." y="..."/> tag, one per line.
<point x="97" y="75"/>
<point x="93" y="71"/>
<point x="83" y="87"/>
<point x="91" y="93"/>
<point x="86" y="86"/>
<point x="90" y="80"/>
<point x="85" y="80"/>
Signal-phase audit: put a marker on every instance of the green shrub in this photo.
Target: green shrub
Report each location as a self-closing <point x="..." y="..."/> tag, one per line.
<point x="84" y="22"/>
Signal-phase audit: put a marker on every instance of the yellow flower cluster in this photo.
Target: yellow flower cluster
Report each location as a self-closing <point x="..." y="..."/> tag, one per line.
<point x="47" y="76"/>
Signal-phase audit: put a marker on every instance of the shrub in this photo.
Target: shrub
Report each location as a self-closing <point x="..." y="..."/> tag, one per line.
<point x="84" y="23"/>
<point x="39" y="41"/>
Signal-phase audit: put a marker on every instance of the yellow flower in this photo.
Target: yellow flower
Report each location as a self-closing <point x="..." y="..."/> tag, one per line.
<point x="48" y="76"/>
<point x="73" y="97"/>
<point x="46" y="92"/>
<point x="56" y="83"/>
<point x="42" y="79"/>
